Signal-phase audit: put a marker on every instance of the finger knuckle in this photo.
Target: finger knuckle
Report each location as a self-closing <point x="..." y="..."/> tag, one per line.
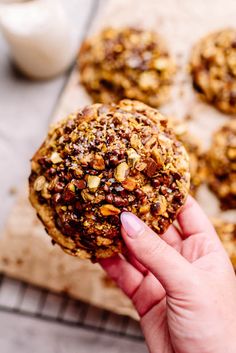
<point x="156" y="247"/>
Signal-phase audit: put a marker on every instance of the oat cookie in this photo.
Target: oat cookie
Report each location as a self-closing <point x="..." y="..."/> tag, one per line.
<point x="222" y="165"/>
<point x="101" y="161"/>
<point x="126" y="63"/>
<point x="194" y="149"/>
<point x="227" y="234"/>
<point x="213" y="69"/>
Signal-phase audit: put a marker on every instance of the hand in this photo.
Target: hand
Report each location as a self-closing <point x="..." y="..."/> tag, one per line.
<point x="182" y="284"/>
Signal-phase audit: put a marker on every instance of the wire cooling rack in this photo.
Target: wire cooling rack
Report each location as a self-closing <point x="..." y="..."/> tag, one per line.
<point x="24" y="299"/>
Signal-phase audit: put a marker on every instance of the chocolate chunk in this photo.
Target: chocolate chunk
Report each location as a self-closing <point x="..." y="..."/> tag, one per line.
<point x="151" y="168"/>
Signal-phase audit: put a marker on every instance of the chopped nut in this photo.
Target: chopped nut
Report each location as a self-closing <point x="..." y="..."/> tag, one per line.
<point x="86" y="195"/>
<point x="39" y="183"/>
<point x="147" y="189"/>
<point x="121" y="171"/>
<point x="135" y="141"/>
<point x="93" y="182"/>
<point x="101" y="241"/>
<point x="71" y="187"/>
<point x="129" y="184"/>
<point x="144" y="209"/>
<point x="55" y="158"/>
<point x="151" y="167"/>
<point x="86" y="224"/>
<point x="141" y="166"/>
<point x="44" y="192"/>
<point x="159" y="207"/>
<point x="78" y="172"/>
<point x="109" y="210"/>
<point x="98" y="162"/>
<point x="53" y="183"/>
<point x="133" y="157"/>
<point x="85" y="160"/>
<point x="156" y="226"/>
<point x="98" y="198"/>
<point x="151" y="142"/>
<point x="157" y="156"/>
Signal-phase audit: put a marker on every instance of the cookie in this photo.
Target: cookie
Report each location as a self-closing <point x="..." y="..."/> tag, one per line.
<point x="227" y="234"/>
<point x="194" y="149"/>
<point x="222" y="165"/>
<point x="126" y="63"/>
<point x="213" y="69"/>
<point x="101" y="161"/>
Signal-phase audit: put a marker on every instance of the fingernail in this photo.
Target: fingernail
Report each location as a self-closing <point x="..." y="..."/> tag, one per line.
<point x="132" y="224"/>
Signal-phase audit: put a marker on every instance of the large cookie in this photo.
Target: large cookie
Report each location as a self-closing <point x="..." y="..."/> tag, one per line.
<point x="101" y="161"/>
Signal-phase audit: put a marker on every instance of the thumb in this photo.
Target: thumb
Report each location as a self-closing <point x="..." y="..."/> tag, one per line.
<point x="168" y="266"/>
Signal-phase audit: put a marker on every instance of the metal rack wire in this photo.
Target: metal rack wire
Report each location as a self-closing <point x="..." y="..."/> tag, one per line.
<point x="24" y="299"/>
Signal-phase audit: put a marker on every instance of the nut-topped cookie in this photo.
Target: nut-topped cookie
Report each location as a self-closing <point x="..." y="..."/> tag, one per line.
<point x="213" y="69"/>
<point x="194" y="149"/>
<point x="126" y="63"/>
<point x="222" y="165"/>
<point x="227" y="234"/>
<point x="101" y="161"/>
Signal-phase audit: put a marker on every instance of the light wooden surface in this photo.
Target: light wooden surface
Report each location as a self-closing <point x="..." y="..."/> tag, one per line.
<point x="25" y="110"/>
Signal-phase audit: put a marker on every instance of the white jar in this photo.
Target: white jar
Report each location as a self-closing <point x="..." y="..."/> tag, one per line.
<point x="40" y="36"/>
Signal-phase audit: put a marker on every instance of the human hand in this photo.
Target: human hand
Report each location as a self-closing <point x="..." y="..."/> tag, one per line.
<point x="181" y="283"/>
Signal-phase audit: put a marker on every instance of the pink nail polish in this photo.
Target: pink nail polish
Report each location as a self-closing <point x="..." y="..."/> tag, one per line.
<point x="132" y="224"/>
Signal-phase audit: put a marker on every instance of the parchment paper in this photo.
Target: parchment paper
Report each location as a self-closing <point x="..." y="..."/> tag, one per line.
<point x="25" y="250"/>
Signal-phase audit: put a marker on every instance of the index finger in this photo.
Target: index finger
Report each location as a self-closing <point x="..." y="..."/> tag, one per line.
<point x="193" y="220"/>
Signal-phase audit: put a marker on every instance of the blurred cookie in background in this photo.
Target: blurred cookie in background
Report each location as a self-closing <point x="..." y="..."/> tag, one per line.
<point x="126" y="63"/>
<point x="213" y="69"/>
<point x="195" y="151"/>
<point x="227" y="234"/>
<point x="221" y="164"/>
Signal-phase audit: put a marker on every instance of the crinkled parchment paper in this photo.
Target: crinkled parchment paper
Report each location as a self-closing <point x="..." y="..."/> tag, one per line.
<point x="25" y="249"/>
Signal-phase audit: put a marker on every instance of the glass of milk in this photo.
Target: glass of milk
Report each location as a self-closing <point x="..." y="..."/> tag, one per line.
<point x="40" y="36"/>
